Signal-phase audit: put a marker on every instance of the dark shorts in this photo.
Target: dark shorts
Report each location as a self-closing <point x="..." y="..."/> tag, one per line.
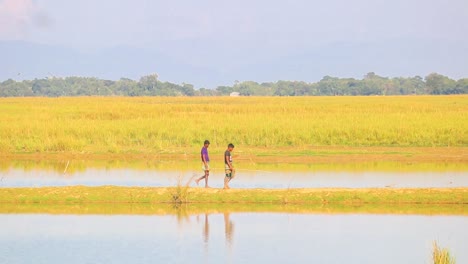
<point x="228" y="171"/>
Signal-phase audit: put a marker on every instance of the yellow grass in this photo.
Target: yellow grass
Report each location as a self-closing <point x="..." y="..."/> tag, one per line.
<point x="167" y="125"/>
<point x="441" y="255"/>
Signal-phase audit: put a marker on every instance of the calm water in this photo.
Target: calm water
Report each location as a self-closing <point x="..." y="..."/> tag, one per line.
<point x="245" y="179"/>
<point x="229" y="238"/>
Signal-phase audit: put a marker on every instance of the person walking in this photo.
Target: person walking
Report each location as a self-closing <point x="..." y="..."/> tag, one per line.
<point x="205" y="158"/>
<point x="228" y="167"/>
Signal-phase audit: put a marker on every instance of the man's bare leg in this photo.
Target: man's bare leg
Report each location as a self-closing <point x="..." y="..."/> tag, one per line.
<point x="226" y="182"/>
<point x="228" y="179"/>
<point x="202" y="177"/>
<point x="207" y="174"/>
<point x="199" y="179"/>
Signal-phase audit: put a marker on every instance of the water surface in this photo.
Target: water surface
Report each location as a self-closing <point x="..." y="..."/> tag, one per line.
<point x="229" y="238"/>
<point x="244" y="179"/>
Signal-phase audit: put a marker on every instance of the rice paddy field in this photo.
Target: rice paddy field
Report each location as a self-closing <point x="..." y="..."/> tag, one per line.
<point x="285" y="126"/>
<point x="334" y="174"/>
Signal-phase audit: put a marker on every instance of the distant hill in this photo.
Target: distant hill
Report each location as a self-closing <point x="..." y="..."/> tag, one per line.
<point x="26" y="61"/>
<point x="23" y="61"/>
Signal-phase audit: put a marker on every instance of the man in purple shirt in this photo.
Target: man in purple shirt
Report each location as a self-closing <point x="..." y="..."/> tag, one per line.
<point x="205" y="163"/>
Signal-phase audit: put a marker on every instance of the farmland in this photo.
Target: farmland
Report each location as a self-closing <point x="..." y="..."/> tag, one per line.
<point x="160" y="125"/>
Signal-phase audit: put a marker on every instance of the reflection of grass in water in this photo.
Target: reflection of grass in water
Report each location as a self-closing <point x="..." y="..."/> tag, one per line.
<point x="332" y="152"/>
<point x="184" y="164"/>
<point x="184" y="210"/>
<point x="441" y="255"/>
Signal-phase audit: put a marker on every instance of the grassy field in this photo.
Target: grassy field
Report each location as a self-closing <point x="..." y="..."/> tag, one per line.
<point x="265" y="126"/>
<point x="183" y="195"/>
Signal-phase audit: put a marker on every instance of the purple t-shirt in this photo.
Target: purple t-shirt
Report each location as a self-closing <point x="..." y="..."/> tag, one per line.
<point x="204" y="152"/>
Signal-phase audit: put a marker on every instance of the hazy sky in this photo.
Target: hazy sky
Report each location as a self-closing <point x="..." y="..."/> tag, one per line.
<point x="243" y="37"/>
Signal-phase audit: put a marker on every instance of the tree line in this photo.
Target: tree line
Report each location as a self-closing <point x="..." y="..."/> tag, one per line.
<point x="371" y="84"/>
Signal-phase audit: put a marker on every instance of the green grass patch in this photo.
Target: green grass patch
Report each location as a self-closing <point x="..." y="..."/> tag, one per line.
<point x="185" y="195"/>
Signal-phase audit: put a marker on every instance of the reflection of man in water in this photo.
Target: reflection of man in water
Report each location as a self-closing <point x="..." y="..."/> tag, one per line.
<point x="206" y="230"/>
<point x="228" y="230"/>
<point x="206" y="235"/>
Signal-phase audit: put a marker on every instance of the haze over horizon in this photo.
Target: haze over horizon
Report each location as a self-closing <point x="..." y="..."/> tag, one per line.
<point x="210" y="43"/>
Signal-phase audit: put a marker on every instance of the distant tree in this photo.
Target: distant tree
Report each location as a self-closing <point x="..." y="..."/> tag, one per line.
<point x="300" y="88"/>
<point x="150" y="85"/>
<point x="329" y="86"/>
<point x="248" y="88"/>
<point x="461" y="86"/>
<point x="39" y="87"/>
<point x="125" y="87"/>
<point x="206" y="92"/>
<point x="405" y="86"/>
<point x="187" y="89"/>
<point x="224" y="90"/>
<point x="283" y="88"/>
<point x="11" y="88"/>
<point x="439" y="84"/>
<point x="373" y="84"/>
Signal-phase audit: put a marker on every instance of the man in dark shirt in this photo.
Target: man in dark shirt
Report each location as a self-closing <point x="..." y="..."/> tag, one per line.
<point x="228" y="167"/>
<point x="205" y="163"/>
